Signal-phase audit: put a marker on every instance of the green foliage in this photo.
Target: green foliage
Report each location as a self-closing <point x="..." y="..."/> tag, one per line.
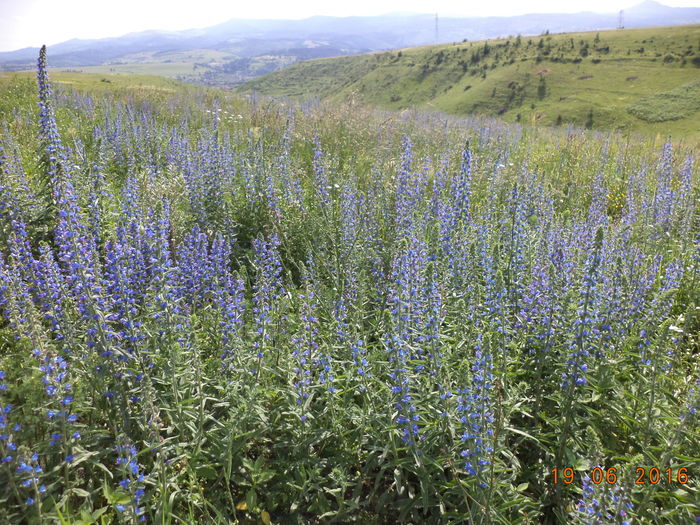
<point x="542" y="88"/>
<point x="676" y="104"/>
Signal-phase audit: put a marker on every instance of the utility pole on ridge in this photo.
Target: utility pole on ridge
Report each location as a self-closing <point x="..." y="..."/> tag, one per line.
<point x="436" y="28"/>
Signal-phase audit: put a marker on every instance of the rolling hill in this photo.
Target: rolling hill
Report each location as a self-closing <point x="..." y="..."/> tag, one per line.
<point x="237" y="50"/>
<point x="631" y="80"/>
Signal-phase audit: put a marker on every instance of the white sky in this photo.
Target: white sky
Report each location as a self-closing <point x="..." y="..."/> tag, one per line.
<point x="26" y="23"/>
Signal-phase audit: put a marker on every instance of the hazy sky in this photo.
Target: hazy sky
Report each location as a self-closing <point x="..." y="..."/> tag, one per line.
<point x="26" y="23"/>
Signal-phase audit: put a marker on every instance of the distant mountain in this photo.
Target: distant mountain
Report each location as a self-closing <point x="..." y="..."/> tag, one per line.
<point x="236" y="50"/>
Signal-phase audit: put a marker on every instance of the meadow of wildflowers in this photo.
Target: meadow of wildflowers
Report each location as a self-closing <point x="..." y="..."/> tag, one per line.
<point x="218" y="310"/>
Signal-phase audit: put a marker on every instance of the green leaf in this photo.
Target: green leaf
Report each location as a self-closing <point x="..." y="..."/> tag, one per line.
<point x="80" y="492"/>
<point x="99" y="512"/>
<point x="258" y="463"/>
<point x="570" y="457"/>
<point x="522" y="433"/>
<point x="265" y="476"/>
<point x="251" y="498"/>
<point x="581" y="464"/>
<point x="206" y="472"/>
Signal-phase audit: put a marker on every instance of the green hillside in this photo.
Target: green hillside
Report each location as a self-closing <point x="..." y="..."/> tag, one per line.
<point x="632" y="80"/>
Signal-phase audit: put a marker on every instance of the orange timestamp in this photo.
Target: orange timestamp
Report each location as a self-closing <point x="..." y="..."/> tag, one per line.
<point x="643" y="475"/>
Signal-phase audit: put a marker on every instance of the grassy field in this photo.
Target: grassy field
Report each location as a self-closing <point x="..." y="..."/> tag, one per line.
<point x="190" y="56"/>
<point x="165" y="69"/>
<point x="190" y="65"/>
<point x="595" y="79"/>
<point x="102" y="81"/>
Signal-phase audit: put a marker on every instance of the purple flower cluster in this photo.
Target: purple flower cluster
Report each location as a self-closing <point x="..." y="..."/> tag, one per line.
<point x="132" y="481"/>
<point x="8" y="446"/>
<point x="28" y="473"/>
<point x="267" y="290"/>
<point x="475" y="407"/>
<point x="602" y="503"/>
